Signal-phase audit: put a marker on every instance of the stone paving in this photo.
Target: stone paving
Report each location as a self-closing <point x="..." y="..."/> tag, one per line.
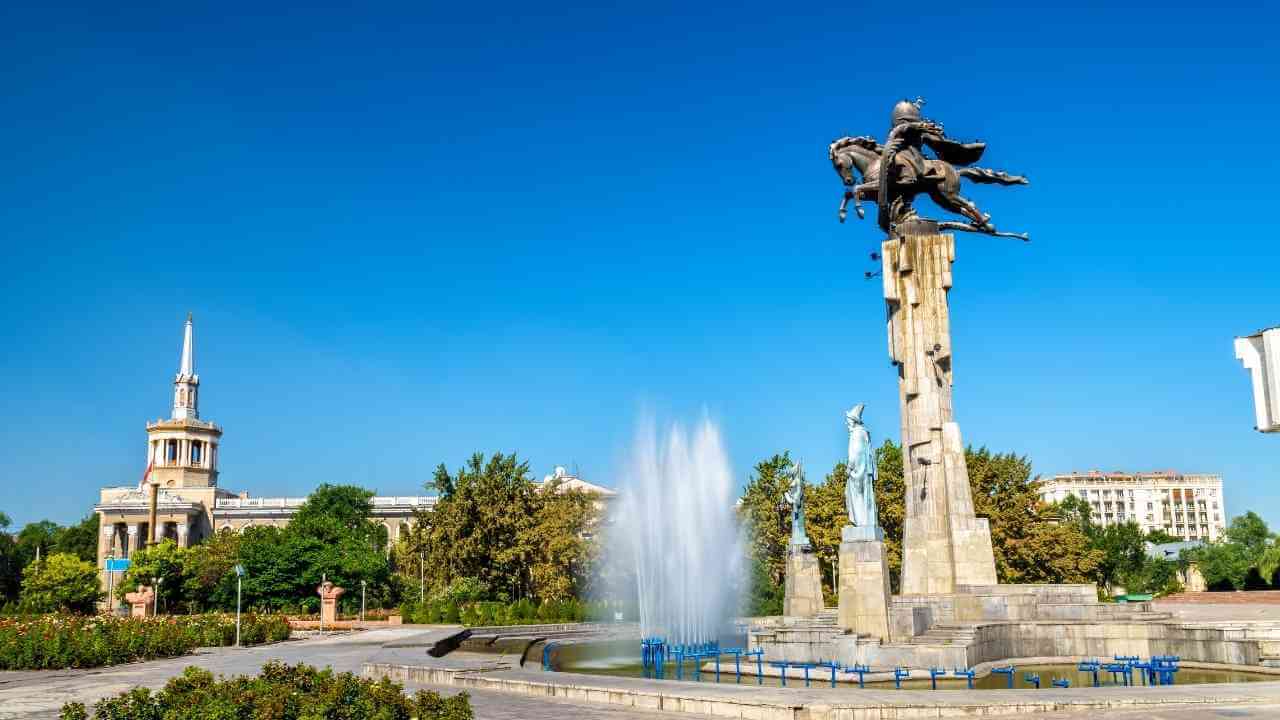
<point x="500" y="690"/>
<point x="40" y="694"/>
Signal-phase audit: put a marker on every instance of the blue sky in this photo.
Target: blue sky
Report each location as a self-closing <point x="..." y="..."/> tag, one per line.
<point x="413" y="232"/>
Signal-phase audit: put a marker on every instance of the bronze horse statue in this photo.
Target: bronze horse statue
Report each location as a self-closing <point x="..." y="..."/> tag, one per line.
<point x="939" y="179"/>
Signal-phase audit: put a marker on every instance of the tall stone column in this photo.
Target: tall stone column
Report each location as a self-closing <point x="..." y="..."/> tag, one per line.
<point x="133" y="539"/>
<point x="944" y="544"/>
<point x="183" y="528"/>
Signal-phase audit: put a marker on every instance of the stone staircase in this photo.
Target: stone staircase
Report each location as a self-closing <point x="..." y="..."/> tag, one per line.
<point x="946" y="634"/>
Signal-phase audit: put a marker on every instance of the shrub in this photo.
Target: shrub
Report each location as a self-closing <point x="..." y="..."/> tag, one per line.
<point x="74" y="641"/>
<point x="280" y="692"/>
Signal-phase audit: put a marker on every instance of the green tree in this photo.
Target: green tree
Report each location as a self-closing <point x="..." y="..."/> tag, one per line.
<point x="1224" y="565"/>
<point x="331" y="537"/>
<point x="80" y="539"/>
<point x="164" y="561"/>
<point x="1269" y="563"/>
<point x="36" y="539"/>
<point x="480" y="527"/>
<point x="208" y="579"/>
<point x="562" y="558"/>
<point x="60" y="582"/>
<point x="10" y="569"/>
<point x="273" y="572"/>
<point x="766" y="517"/>
<point x="1250" y="532"/>
<point x="1029" y="545"/>
<point x="891" y="506"/>
<point x="825" y="518"/>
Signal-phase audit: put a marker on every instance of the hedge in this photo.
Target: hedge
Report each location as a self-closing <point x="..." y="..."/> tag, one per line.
<point x="53" y="641"/>
<point x="484" y="614"/>
<point x="279" y="692"/>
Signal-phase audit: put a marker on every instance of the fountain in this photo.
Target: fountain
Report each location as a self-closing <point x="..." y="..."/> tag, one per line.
<point x="677" y="533"/>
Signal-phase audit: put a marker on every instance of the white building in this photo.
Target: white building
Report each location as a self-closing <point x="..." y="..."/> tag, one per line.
<point x="1190" y="507"/>
<point x="1260" y="354"/>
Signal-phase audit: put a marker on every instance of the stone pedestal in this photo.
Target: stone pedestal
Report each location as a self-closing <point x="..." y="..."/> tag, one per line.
<point x="864" y="585"/>
<point x="944" y="545"/>
<point x="141" y="602"/>
<point x="329" y="594"/>
<point x="803" y="591"/>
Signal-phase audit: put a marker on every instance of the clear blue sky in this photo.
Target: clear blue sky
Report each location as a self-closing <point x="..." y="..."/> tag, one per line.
<point x="409" y="233"/>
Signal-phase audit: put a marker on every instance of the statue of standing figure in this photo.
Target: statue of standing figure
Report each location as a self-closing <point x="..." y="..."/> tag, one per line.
<point x="795" y="496"/>
<point x="859" y="491"/>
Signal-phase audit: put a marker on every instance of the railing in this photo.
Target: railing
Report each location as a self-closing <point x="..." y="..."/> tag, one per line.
<point x="296" y="502"/>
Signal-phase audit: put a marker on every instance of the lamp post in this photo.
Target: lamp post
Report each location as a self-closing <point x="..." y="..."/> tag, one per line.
<point x="362" y="587"/>
<point x="155" y="597"/>
<point x="239" y="577"/>
<point x="422" y="575"/>
<point x="111" y="582"/>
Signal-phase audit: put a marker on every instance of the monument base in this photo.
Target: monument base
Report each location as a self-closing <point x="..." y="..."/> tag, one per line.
<point x="864" y="586"/>
<point x="803" y="591"/>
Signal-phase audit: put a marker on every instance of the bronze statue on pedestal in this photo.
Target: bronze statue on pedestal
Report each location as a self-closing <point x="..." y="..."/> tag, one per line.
<point x="911" y="172"/>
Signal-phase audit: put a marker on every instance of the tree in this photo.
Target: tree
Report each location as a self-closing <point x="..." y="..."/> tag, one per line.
<point x="562" y="558"/>
<point x="825" y="518"/>
<point x="1224" y="565"/>
<point x="1250" y="532"/>
<point x="80" y="539"/>
<point x="36" y="539"/>
<point x="891" y="506"/>
<point x="766" y="517"/>
<point x="480" y="527"/>
<point x="1269" y="563"/>
<point x="10" y="569"/>
<point x="164" y="561"/>
<point x="1029" y="546"/>
<point x="208" y="579"/>
<point x="60" y="582"/>
<point x="331" y="537"/>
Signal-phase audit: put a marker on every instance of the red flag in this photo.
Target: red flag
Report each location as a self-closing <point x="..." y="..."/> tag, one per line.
<point x="145" y="475"/>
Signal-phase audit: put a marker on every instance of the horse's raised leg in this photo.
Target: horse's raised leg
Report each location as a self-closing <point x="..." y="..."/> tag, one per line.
<point x="868" y="187"/>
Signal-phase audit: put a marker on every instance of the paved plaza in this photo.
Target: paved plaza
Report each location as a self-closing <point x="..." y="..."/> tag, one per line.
<point x="524" y="692"/>
<point x="41" y="694"/>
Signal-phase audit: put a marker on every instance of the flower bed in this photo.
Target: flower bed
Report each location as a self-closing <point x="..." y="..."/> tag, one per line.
<point x="44" y="642"/>
<point x="280" y="692"/>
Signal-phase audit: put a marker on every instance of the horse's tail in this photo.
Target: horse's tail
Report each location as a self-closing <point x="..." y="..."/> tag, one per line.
<point x="985" y="176"/>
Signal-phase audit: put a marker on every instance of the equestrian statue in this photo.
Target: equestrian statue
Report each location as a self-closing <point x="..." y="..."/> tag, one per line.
<point x="911" y="173"/>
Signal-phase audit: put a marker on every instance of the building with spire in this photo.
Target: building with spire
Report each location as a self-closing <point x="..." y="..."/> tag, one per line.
<point x="178" y="497"/>
<point x="179" y="490"/>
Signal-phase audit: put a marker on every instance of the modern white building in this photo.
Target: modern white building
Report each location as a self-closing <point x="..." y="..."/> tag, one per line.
<point x="1188" y="506"/>
<point x="1260" y="353"/>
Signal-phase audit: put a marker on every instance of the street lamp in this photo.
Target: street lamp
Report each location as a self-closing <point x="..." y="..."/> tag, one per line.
<point x="109" y="565"/>
<point x="239" y="576"/>
<point x="422" y="575"/>
<point x="155" y="600"/>
<point x="362" y="586"/>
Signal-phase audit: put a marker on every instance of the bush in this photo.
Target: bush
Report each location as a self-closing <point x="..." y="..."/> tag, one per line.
<point x="73" y="641"/>
<point x="488" y="614"/>
<point x="280" y="692"/>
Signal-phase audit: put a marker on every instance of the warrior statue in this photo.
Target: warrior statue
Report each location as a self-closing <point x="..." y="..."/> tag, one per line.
<point x="795" y="496"/>
<point x="910" y="172"/>
<point x="859" y="491"/>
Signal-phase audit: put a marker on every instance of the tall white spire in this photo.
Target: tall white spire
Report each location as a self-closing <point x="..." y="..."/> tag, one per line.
<point x="187" y="367"/>
<point x="186" y="384"/>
